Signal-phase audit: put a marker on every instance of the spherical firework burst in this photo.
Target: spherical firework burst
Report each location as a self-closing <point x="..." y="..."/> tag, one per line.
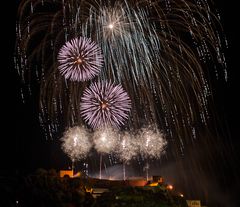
<point x="127" y="147"/>
<point x="104" y="104"/>
<point x="75" y="143"/>
<point x="151" y="143"/>
<point x="105" y="140"/>
<point x="80" y="59"/>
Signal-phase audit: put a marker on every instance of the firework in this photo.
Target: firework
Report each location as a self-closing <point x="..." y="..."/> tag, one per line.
<point x="104" y="104"/>
<point x="127" y="147"/>
<point x="151" y="143"/>
<point x="75" y="143"/>
<point x="157" y="50"/>
<point x="105" y="140"/>
<point x="127" y="150"/>
<point x="161" y="52"/>
<point x="80" y="59"/>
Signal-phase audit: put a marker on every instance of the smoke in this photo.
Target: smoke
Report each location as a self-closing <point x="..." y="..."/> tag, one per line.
<point x="193" y="181"/>
<point x="116" y="172"/>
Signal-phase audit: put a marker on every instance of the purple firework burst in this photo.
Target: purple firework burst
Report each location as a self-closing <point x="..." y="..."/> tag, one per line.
<point x="105" y="104"/>
<point x="80" y="59"/>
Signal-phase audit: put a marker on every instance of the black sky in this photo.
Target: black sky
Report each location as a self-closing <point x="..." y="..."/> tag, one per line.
<point x="28" y="132"/>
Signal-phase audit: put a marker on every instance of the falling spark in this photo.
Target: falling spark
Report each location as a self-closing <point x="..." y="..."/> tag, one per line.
<point x="159" y="51"/>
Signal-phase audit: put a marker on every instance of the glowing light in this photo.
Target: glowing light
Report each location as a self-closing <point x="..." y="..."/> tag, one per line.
<point x="169" y="187"/>
<point x="105" y="104"/>
<point x="105" y="140"/>
<point x="110" y="26"/>
<point x="80" y="59"/>
<point x="152" y="143"/>
<point x="75" y="143"/>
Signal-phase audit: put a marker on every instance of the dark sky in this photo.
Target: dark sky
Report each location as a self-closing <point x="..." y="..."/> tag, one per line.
<point x="28" y="131"/>
<point x="30" y="150"/>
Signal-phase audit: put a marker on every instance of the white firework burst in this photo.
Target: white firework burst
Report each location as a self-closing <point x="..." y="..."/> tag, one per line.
<point x="105" y="140"/>
<point x="151" y="143"/>
<point x="127" y="148"/>
<point x="75" y="143"/>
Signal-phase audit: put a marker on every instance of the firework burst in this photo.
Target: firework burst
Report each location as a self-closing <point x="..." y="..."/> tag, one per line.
<point x="104" y="104"/>
<point x="159" y="51"/>
<point x="127" y="147"/>
<point x="105" y="140"/>
<point x="151" y="143"/>
<point x="80" y="59"/>
<point x="75" y="143"/>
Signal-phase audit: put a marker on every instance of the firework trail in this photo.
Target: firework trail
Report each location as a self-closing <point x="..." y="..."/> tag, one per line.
<point x="127" y="149"/>
<point x="104" y="104"/>
<point x="80" y="59"/>
<point x="105" y="140"/>
<point x="75" y="143"/>
<point x="151" y="144"/>
<point x="159" y="51"/>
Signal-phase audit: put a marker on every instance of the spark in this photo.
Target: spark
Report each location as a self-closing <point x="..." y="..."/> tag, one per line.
<point x="110" y="26"/>
<point x="105" y="139"/>
<point x="80" y="59"/>
<point x="152" y="143"/>
<point x="105" y="104"/>
<point x="75" y="143"/>
<point x="128" y="147"/>
<point x="159" y="51"/>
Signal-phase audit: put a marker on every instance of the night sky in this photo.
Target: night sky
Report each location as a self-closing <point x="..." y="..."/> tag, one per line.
<point x="31" y="150"/>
